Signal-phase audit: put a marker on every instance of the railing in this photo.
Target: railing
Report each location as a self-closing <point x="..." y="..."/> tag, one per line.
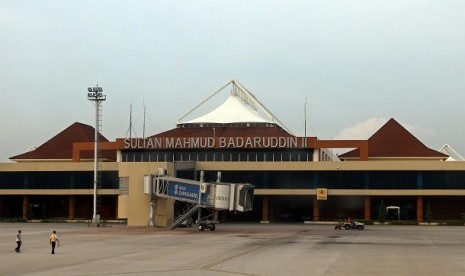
<point x="183" y="215"/>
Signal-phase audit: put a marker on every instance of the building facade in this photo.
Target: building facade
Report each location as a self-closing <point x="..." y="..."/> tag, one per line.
<point x="295" y="178"/>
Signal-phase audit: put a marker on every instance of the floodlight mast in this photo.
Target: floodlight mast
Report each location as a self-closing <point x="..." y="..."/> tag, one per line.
<point x="95" y="94"/>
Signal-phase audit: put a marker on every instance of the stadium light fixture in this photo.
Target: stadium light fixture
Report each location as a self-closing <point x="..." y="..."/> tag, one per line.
<point x="95" y="94"/>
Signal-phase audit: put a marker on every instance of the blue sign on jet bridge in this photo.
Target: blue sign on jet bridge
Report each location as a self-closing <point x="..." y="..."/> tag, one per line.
<point x="183" y="190"/>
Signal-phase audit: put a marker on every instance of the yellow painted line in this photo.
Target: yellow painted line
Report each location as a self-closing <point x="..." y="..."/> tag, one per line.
<point x="233" y="257"/>
<point x="254" y="249"/>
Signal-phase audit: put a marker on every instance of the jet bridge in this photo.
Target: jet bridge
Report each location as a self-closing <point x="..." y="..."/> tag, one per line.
<point x="200" y="195"/>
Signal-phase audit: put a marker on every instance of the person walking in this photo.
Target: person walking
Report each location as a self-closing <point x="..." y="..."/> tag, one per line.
<point x="18" y="242"/>
<point x="54" y="241"/>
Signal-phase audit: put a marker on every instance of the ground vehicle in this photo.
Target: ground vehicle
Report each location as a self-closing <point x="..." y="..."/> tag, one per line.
<point x="354" y="225"/>
<point x="203" y="226"/>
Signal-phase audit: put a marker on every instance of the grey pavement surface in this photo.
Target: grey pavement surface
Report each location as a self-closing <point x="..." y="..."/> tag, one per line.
<point x="233" y="249"/>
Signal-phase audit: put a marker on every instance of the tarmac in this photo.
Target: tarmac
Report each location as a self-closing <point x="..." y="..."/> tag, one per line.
<point x="233" y="249"/>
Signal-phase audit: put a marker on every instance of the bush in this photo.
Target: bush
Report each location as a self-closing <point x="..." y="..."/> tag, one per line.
<point x="367" y="221"/>
<point x="428" y="214"/>
<point x="403" y="222"/>
<point x="53" y="220"/>
<point x="454" y="223"/>
<point x="13" y="220"/>
<point x="382" y="212"/>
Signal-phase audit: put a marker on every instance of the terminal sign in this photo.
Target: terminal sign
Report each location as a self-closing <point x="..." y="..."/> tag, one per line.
<point x="213" y="142"/>
<point x="183" y="190"/>
<point x="321" y="194"/>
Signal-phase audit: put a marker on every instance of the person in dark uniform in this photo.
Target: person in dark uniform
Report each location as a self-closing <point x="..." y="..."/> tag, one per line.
<point x="18" y="242"/>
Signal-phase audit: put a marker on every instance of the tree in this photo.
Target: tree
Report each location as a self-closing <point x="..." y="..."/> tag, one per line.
<point x="428" y="213"/>
<point x="382" y="212"/>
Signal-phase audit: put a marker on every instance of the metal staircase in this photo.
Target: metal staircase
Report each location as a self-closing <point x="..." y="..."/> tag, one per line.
<point x="187" y="212"/>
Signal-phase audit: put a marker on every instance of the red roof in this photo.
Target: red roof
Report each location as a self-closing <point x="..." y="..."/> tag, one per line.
<point x="391" y="141"/>
<point x="60" y="147"/>
<point x="394" y="141"/>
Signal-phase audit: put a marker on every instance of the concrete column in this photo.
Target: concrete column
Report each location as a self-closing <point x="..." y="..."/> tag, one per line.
<point x="25" y="206"/>
<point x="265" y="210"/>
<point x="316" y="155"/>
<point x="316" y="209"/>
<point x="272" y="211"/>
<point x="71" y="209"/>
<point x="367" y="207"/>
<point x="419" y="209"/>
<point x="1" y="207"/>
<point x="116" y="208"/>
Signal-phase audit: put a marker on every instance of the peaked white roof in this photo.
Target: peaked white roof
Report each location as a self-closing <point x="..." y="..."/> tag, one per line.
<point x="240" y="107"/>
<point x="453" y="155"/>
<point x="233" y="110"/>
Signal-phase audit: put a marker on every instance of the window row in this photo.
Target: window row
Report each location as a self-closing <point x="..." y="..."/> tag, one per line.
<point x="396" y="180"/>
<point x="58" y="180"/>
<point x="217" y="156"/>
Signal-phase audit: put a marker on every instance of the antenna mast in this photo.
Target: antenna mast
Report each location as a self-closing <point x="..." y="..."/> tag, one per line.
<point x="131" y="127"/>
<point x="143" y="126"/>
<point x="305" y="122"/>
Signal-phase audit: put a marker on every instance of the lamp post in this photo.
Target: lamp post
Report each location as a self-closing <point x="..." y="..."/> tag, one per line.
<point x="95" y="94"/>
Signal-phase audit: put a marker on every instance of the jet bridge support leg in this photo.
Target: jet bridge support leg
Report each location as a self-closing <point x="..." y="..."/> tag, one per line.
<point x="153" y="206"/>
<point x="205" y="223"/>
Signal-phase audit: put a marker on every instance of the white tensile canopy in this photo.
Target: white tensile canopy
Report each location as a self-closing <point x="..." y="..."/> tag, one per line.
<point x="233" y="110"/>
<point x="240" y="107"/>
<point x="453" y="155"/>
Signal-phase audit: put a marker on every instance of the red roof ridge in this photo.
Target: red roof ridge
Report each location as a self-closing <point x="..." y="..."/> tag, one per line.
<point x="60" y="146"/>
<point x="393" y="140"/>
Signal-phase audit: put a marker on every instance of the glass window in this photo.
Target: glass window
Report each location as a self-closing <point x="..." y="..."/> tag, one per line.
<point x="57" y="180"/>
<point x="234" y="156"/>
<point x="344" y="179"/>
<point x="243" y="156"/>
<point x="209" y="156"/>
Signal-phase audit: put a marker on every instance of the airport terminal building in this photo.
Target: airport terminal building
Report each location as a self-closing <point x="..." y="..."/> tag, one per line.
<point x="295" y="178"/>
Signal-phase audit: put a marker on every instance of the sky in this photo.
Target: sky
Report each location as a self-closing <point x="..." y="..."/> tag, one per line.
<point x="352" y="65"/>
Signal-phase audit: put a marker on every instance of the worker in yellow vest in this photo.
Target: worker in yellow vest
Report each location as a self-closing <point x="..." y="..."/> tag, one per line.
<point x="54" y="241"/>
